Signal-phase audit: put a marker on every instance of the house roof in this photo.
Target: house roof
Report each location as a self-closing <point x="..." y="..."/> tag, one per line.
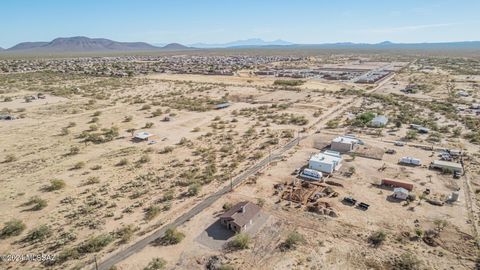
<point x="400" y="190"/>
<point x="345" y="140"/>
<point x="143" y="135"/>
<point x="325" y="158"/>
<point x="240" y="217"/>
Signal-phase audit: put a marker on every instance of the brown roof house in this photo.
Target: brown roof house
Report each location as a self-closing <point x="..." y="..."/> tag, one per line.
<point x="240" y="216"/>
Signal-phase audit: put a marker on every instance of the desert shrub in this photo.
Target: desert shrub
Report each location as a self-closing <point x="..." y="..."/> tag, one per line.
<point x="125" y="233"/>
<point x="148" y="125"/>
<point x="92" y="180"/>
<point x="257" y="155"/>
<point x="95" y="244"/>
<point x="37" y="203"/>
<point x="128" y="118"/>
<point x="38" y="234"/>
<point x="10" y="158"/>
<point x="79" y="165"/>
<point x="94" y="120"/>
<point x="157" y="112"/>
<point x="93" y="127"/>
<point x="241" y="241"/>
<point x="96" y="167"/>
<point x="71" y="124"/>
<point x="226" y="206"/>
<point x="146" y="107"/>
<point x="97" y="113"/>
<point x="377" y="238"/>
<point x="156" y="264"/>
<point x="56" y="184"/>
<point x="293" y="239"/>
<point x="197" y="129"/>
<point x="288" y="82"/>
<point x="260" y="202"/>
<point x="64" y="131"/>
<point x="172" y="237"/>
<point x="13" y="227"/>
<point x="168" y="195"/>
<point x="144" y="159"/>
<point x="122" y="162"/>
<point x="333" y="124"/>
<point x="194" y="189"/>
<point x="74" y="150"/>
<point x="67" y="254"/>
<point x="166" y="149"/>
<point x="407" y="261"/>
<point x="411" y="135"/>
<point x="151" y="212"/>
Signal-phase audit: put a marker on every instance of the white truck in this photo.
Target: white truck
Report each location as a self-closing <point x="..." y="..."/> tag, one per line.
<point x="410" y="161"/>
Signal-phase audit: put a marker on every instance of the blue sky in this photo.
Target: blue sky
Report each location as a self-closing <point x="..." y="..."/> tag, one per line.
<point x="209" y="21"/>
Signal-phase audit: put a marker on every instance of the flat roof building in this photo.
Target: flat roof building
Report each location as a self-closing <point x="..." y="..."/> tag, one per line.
<point x="326" y="162"/>
<point x="343" y="144"/>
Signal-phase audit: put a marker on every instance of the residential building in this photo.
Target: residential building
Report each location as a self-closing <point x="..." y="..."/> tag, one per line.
<point x="446" y="166"/>
<point x="326" y="162"/>
<point x="240" y="216"/>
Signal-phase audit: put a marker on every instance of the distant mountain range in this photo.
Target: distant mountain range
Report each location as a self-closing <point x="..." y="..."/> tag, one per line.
<point x="253" y="42"/>
<point x="85" y="44"/>
<point x="91" y="45"/>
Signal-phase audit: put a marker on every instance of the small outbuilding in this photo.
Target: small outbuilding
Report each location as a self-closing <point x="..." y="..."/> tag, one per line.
<point x="240" y="216"/>
<point x="142" y="136"/>
<point x="343" y="144"/>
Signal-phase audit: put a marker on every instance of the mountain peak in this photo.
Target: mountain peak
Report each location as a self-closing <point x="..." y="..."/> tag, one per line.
<point x="81" y="44"/>
<point x="175" y="46"/>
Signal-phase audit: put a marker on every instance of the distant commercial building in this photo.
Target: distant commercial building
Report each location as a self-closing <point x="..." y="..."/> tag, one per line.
<point x="240" y="216"/>
<point x="326" y="162"/>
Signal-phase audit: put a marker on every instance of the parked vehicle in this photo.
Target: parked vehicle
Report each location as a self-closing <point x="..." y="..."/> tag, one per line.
<point x="398" y="143"/>
<point x="391" y="151"/>
<point x="350" y="200"/>
<point x="457" y="174"/>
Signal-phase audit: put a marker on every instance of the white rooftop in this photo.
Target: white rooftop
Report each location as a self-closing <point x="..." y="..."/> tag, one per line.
<point x="143" y="135"/>
<point x="345" y="140"/>
<point x="324" y="158"/>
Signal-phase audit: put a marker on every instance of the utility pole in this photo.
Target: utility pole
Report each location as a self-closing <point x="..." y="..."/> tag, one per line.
<point x="96" y="265"/>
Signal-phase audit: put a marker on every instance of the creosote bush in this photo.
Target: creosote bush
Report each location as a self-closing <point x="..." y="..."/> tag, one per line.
<point x="241" y="241"/>
<point x="156" y="264"/>
<point x="56" y="184"/>
<point x="11" y="228"/>
<point x="172" y="237"/>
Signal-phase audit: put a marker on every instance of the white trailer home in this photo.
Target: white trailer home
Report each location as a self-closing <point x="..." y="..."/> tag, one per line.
<point x="409" y="161"/>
